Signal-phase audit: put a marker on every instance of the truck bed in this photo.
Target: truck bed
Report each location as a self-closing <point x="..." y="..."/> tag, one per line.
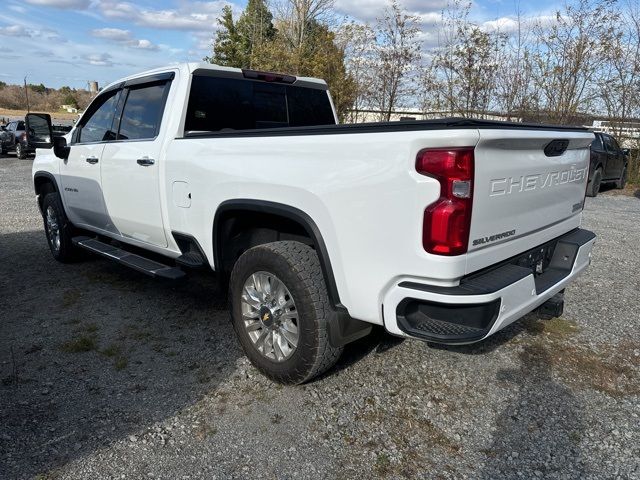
<point x="388" y="127"/>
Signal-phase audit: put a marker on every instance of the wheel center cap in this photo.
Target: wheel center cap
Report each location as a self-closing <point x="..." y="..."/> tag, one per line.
<point x="266" y="316"/>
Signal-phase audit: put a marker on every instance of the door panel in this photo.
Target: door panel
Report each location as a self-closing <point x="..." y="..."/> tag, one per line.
<point x="81" y="189"/>
<point x="80" y="173"/>
<point x="129" y="167"/>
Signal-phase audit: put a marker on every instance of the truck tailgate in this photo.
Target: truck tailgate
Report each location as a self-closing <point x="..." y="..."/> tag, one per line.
<point x="520" y="188"/>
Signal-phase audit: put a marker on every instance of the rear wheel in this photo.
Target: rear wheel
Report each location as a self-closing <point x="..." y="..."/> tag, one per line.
<point x="20" y="152"/>
<point x="58" y="229"/>
<point x="620" y="184"/>
<point x="280" y="309"/>
<point x="594" y="186"/>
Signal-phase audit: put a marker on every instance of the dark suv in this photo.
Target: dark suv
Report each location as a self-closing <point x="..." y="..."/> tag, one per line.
<point x="609" y="164"/>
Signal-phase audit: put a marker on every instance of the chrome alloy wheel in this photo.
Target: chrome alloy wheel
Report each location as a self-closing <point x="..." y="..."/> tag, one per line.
<point x="270" y="316"/>
<point x="53" y="228"/>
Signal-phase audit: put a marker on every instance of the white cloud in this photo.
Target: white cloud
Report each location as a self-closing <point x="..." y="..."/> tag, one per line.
<point x="123" y="37"/>
<point x="115" y="34"/>
<point x="16" y="31"/>
<point x="190" y="16"/>
<point x="63" y="4"/>
<point x="370" y="10"/>
<point x="99" y="59"/>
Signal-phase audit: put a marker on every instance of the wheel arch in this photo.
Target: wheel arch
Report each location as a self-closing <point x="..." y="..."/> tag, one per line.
<point x="231" y="209"/>
<point x="44" y="183"/>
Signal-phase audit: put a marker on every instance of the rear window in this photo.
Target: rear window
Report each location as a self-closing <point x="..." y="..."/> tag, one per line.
<point x="225" y="104"/>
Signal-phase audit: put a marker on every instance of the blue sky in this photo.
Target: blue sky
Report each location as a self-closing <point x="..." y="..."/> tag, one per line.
<point x="69" y="42"/>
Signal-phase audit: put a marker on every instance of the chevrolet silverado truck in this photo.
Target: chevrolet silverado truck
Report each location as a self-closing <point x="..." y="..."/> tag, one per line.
<point x="441" y="230"/>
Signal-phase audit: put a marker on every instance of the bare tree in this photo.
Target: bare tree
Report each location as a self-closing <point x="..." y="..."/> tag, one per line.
<point x="398" y="51"/>
<point x="570" y="53"/>
<point x="359" y="44"/>
<point x="515" y="95"/>
<point x="619" y="82"/>
<point x="461" y="77"/>
<point x="295" y="17"/>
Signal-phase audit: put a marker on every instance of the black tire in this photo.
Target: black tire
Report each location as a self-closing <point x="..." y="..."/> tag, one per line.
<point x="594" y="185"/>
<point x="20" y="153"/>
<point x="62" y="250"/>
<point x="297" y="266"/>
<point x="622" y="181"/>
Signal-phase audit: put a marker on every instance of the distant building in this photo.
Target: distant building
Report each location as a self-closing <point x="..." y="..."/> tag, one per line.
<point x="69" y="108"/>
<point x="371" y="115"/>
<point x="93" y="86"/>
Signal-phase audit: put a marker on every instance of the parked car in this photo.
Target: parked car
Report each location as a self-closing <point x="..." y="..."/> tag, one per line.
<point x="439" y="230"/>
<point x="609" y="164"/>
<point x="14" y="131"/>
<point x="15" y="138"/>
<point x="5" y="139"/>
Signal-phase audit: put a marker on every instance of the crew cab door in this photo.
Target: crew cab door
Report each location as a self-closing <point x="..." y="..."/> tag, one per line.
<point x="615" y="157"/>
<point x="80" y="172"/>
<point x="129" y="166"/>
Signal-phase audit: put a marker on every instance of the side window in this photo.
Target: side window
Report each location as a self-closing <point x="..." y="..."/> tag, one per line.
<point x="219" y="104"/>
<point x="97" y="127"/>
<point x="609" y="144"/>
<point x="615" y="145"/>
<point x="142" y="112"/>
<point x="20" y="126"/>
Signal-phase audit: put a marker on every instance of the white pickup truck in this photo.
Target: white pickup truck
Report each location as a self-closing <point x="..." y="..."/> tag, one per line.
<point x="441" y="230"/>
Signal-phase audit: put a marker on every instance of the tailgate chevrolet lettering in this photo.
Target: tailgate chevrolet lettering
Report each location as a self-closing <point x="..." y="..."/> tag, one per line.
<point x="538" y="181"/>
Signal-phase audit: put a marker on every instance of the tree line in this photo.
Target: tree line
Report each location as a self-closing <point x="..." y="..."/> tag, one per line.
<point x="41" y="98"/>
<point x="583" y="60"/>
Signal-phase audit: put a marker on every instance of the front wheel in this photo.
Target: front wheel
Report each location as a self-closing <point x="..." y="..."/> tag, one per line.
<point x="280" y="310"/>
<point x="620" y="184"/>
<point x="58" y="229"/>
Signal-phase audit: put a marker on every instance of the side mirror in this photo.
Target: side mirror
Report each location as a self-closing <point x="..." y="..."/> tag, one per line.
<point x="60" y="148"/>
<point x="625" y="152"/>
<point x="38" y="126"/>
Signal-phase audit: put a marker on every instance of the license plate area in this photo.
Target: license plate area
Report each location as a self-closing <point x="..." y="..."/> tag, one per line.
<point x="537" y="259"/>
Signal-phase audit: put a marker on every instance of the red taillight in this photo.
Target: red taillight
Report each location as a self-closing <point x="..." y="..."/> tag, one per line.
<point x="447" y="221"/>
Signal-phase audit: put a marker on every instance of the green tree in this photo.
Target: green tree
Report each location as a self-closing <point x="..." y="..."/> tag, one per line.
<point x="254" y="42"/>
<point x="227" y="47"/>
<point x="255" y="28"/>
<point x="237" y="43"/>
<point x="38" y="88"/>
<point x="2" y="85"/>
<point x="70" y="99"/>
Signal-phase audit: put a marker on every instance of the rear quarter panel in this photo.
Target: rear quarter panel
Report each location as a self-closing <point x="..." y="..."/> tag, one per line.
<point x="361" y="190"/>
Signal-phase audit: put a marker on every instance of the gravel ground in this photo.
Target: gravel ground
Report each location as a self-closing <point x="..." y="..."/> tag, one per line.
<point x="105" y="373"/>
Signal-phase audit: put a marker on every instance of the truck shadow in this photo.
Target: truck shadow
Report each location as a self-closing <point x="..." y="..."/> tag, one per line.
<point x="533" y="436"/>
<point x="93" y="353"/>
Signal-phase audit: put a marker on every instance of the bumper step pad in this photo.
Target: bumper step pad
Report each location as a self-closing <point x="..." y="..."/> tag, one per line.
<point x="137" y="262"/>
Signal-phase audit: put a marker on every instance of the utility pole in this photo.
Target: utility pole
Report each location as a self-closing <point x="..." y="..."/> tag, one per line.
<point x="26" y="94"/>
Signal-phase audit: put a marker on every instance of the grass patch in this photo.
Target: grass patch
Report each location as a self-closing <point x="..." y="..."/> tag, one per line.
<point x="70" y="298"/>
<point x="204" y="431"/>
<point x="611" y="371"/>
<point x="84" y="343"/>
<point x="383" y="464"/>
<point x="560" y="326"/>
<point x="90" y="328"/>
<point x="111" y="351"/>
<point x="121" y="363"/>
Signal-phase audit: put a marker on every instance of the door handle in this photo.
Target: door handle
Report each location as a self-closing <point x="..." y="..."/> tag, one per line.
<point x="146" y="161"/>
<point x="91" y="160"/>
